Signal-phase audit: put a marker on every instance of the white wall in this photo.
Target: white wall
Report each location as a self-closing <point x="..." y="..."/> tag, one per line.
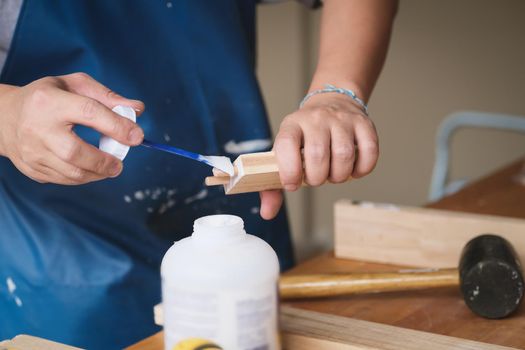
<point x="445" y="56"/>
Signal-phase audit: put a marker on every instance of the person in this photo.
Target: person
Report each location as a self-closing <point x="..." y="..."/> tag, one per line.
<point x="80" y="264"/>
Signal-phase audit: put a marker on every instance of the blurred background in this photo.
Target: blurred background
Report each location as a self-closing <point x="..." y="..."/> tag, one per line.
<point x="445" y="56"/>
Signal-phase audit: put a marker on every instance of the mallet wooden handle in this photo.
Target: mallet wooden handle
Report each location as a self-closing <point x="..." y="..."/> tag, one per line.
<point x="327" y="285"/>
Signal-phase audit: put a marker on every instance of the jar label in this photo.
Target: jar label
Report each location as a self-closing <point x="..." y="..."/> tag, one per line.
<point x="243" y="320"/>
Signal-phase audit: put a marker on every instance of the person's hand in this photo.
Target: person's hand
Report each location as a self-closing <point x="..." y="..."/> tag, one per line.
<point x="36" y="128"/>
<point x="339" y="142"/>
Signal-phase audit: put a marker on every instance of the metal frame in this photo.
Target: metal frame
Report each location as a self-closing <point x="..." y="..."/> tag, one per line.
<point x="446" y="130"/>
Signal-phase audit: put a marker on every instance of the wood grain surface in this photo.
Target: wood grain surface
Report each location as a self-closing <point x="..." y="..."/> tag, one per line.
<point x="345" y="284"/>
<point x="435" y="311"/>
<point x="501" y="193"/>
<point x="309" y="330"/>
<point x="27" y="342"/>
<point x="415" y="236"/>
<point x="254" y="172"/>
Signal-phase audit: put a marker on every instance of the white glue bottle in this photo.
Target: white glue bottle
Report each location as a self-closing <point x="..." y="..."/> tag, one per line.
<point x="220" y="285"/>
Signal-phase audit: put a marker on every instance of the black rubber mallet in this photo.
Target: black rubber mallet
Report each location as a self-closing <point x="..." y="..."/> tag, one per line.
<point x="489" y="276"/>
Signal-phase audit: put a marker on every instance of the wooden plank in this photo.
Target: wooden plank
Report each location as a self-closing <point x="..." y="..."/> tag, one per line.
<point x="27" y="342"/>
<point x="415" y="236"/>
<point x="309" y="330"/>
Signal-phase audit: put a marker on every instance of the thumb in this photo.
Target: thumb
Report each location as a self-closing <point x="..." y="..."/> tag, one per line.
<point x="271" y="202"/>
<point x="85" y="85"/>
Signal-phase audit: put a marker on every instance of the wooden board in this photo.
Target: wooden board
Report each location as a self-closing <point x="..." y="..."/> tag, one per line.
<point x="415" y="236"/>
<point x="438" y="311"/>
<point x="27" y="342"/>
<point x="309" y="330"/>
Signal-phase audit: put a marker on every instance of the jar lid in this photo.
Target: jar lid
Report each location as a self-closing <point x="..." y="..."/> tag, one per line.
<point x="111" y="146"/>
<point x="221" y="226"/>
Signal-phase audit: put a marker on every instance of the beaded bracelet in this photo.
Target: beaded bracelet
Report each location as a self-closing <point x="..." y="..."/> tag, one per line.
<point x="331" y="88"/>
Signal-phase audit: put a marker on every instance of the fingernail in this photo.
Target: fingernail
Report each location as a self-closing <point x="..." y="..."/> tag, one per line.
<point x="138" y="102"/>
<point x="135" y="136"/>
<point x="115" y="169"/>
<point x="290" y="187"/>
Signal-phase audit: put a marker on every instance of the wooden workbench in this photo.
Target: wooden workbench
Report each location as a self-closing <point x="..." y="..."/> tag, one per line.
<point x="436" y="311"/>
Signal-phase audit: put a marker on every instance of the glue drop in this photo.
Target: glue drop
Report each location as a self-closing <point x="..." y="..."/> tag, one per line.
<point x="220" y="284"/>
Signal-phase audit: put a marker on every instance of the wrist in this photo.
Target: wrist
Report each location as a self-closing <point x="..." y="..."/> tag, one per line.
<point x="349" y="94"/>
<point x="320" y="80"/>
<point x="5" y="93"/>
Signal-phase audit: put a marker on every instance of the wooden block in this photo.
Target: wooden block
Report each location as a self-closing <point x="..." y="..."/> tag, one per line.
<point x="27" y="342"/>
<point x="415" y="236"/>
<point x="309" y="330"/>
<point x="254" y="172"/>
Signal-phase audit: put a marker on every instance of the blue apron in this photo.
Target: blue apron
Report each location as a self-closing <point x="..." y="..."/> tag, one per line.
<point x="80" y="264"/>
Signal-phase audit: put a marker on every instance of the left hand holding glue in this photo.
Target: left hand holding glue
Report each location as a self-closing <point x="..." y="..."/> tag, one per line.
<point x="37" y="123"/>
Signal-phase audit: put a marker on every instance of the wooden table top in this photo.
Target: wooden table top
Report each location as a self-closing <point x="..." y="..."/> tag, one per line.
<point x="436" y="311"/>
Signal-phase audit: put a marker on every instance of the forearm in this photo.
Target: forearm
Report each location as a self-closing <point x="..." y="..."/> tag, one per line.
<point x="330" y="138"/>
<point x="353" y="43"/>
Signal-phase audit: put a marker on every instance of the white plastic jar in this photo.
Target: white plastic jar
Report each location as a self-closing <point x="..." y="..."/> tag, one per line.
<point x="220" y="284"/>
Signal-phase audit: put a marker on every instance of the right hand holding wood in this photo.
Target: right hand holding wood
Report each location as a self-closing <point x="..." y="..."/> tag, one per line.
<point x="36" y="128"/>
